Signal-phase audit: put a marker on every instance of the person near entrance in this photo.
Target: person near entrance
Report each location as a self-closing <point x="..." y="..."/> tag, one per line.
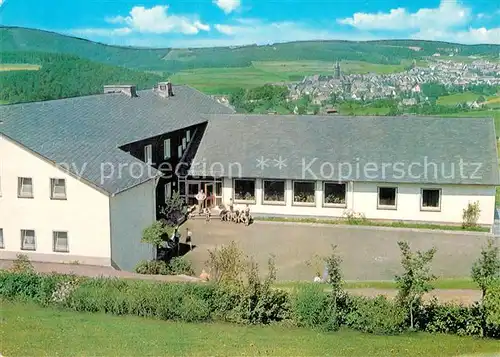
<point x="200" y="197"/>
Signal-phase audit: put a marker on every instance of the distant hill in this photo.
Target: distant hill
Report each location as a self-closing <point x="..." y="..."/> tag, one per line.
<point x="61" y="76"/>
<point x="13" y="39"/>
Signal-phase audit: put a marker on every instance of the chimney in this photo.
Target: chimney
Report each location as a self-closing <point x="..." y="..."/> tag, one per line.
<point x="127" y="89"/>
<point x="164" y="89"/>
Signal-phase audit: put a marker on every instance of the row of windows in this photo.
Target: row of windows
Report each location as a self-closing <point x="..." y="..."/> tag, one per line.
<point x="25" y="188"/>
<point x="334" y="194"/>
<point x="148" y="149"/>
<point x="28" y="241"/>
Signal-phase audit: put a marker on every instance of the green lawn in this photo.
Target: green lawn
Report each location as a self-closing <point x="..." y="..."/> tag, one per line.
<point x="367" y="222"/>
<point x="29" y="330"/>
<point x="454" y="99"/>
<point x="440" y="283"/>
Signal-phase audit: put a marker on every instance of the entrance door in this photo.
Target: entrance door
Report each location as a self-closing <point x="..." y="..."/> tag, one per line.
<point x="193" y="189"/>
<point x="209" y="191"/>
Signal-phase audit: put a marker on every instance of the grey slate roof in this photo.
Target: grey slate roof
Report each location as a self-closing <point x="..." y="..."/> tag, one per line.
<point x="355" y="147"/>
<point x="84" y="133"/>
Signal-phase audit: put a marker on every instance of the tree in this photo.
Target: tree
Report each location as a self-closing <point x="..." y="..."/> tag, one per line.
<point x="416" y="278"/>
<point x="470" y="215"/>
<point x="156" y="234"/>
<point x="486" y="269"/>
<point x="174" y="210"/>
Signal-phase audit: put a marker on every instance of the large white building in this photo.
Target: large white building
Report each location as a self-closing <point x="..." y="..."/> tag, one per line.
<point x="81" y="178"/>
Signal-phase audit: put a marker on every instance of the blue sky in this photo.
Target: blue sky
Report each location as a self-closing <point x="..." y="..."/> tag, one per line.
<point x="198" y="23"/>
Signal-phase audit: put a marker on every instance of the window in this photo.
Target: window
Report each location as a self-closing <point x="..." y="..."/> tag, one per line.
<point x="28" y="240"/>
<point x="184" y="144"/>
<point x="431" y="199"/>
<point x="168" y="190"/>
<point x="148" y="154"/>
<point x="60" y="242"/>
<point x="166" y="149"/>
<point x="58" y="189"/>
<point x="188" y="136"/>
<point x="2" y="245"/>
<point x="25" y="187"/>
<point x="274" y="191"/>
<point x="304" y="192"/>
<point x="334" y="194"/>
<point x="244" y="190"/>
<point x="179" y="151"/>
<point x="387" y="197"/>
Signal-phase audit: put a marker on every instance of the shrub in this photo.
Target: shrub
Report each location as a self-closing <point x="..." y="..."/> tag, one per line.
<point x="470" y="215"/>
<point x="375" y="315"/>
<point x="492" y="309"/>
<point x="227" y="264"/>
<point x="22" y="264"/>
<point x="451" y="319"/>
<point x="486" y="270"/>
<point x="152" y="267"/>
<point x="312" y="307"/>
<point x="181" y="265"/>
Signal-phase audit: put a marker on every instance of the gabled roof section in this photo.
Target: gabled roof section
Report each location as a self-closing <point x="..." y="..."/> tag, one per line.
<point x="376" y="149"/>
<point x="84" y="133"/>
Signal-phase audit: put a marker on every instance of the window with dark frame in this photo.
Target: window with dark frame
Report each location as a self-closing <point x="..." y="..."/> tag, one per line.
<point x="387" y="196"/>
<point x="274" y="191"/>
<point x="57" y="189"/>
<point x="60" y="242"/>
<point x="25" y="187"/>
<point x="244" y="190"/>
<point x="2" y="244"/>
<point x="148" y="154"/>
<point x="304" y="192"/>
<point x="28" y="239"/>
<point x="334" y="193"/>
<point x="431" y="198"/>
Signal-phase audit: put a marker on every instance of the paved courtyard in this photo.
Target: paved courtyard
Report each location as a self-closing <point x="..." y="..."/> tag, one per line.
<point x="369" y="253"/>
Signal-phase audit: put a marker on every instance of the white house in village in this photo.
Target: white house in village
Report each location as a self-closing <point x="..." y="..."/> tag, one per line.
<point x="81" y="178"/>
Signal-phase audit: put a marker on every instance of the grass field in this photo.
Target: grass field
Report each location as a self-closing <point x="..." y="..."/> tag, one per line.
<point x="457" y="98"/>
<point x="29" y="330"/>
<point x="19" y="67"/>
<point x="226" y="80"/>
<point x="440" y="283"/>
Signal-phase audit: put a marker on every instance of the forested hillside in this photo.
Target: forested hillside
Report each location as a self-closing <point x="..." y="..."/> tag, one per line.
<point x="62" y="76"/>
<point x="15" y="39"/>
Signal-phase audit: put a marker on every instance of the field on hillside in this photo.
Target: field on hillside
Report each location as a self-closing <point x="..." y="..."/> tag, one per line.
<point x="457" y="98"/>
<point x="18" y="67"/>
<point x="226" y="80"/>
<point x="29" y="330"/>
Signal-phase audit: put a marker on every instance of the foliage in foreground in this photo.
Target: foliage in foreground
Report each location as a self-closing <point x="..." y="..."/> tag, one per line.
<point x="239" y="294"/>
<point x="176" y="266"/>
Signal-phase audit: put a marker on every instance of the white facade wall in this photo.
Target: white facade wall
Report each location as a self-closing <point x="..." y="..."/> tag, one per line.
<point x="84" y="214"/>
<point x="362" y="197"/>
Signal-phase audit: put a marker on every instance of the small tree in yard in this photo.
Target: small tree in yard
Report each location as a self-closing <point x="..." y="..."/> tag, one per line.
<point x="335" y="278"/>
<point x="416" y="278"/>
<point x="156" y="234"/>
<point x="227" y="264"/>
<point x="174" y="210"/>
<point x="470" y="215"/>
<point x="486" y="269"/>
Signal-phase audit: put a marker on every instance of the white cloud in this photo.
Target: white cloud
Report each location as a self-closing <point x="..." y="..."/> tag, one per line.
<point x="157" y="20"/>
<point x="470" y="36"/>
<point x="254" y="31"/>
<point x="449" y="14"/>
<point x="225" y="29"/>
<point x="228" y="6"/>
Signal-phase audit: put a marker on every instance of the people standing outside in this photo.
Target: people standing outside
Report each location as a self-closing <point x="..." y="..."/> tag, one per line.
<point x="200" y="197"/>
<point x="189" y="238"/>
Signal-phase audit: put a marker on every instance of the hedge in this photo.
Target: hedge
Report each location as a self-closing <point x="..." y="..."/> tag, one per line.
<point x="308" y="306"/>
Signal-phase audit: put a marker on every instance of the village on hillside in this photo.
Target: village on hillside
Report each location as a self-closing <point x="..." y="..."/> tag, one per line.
<point x="404" y="85"/>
